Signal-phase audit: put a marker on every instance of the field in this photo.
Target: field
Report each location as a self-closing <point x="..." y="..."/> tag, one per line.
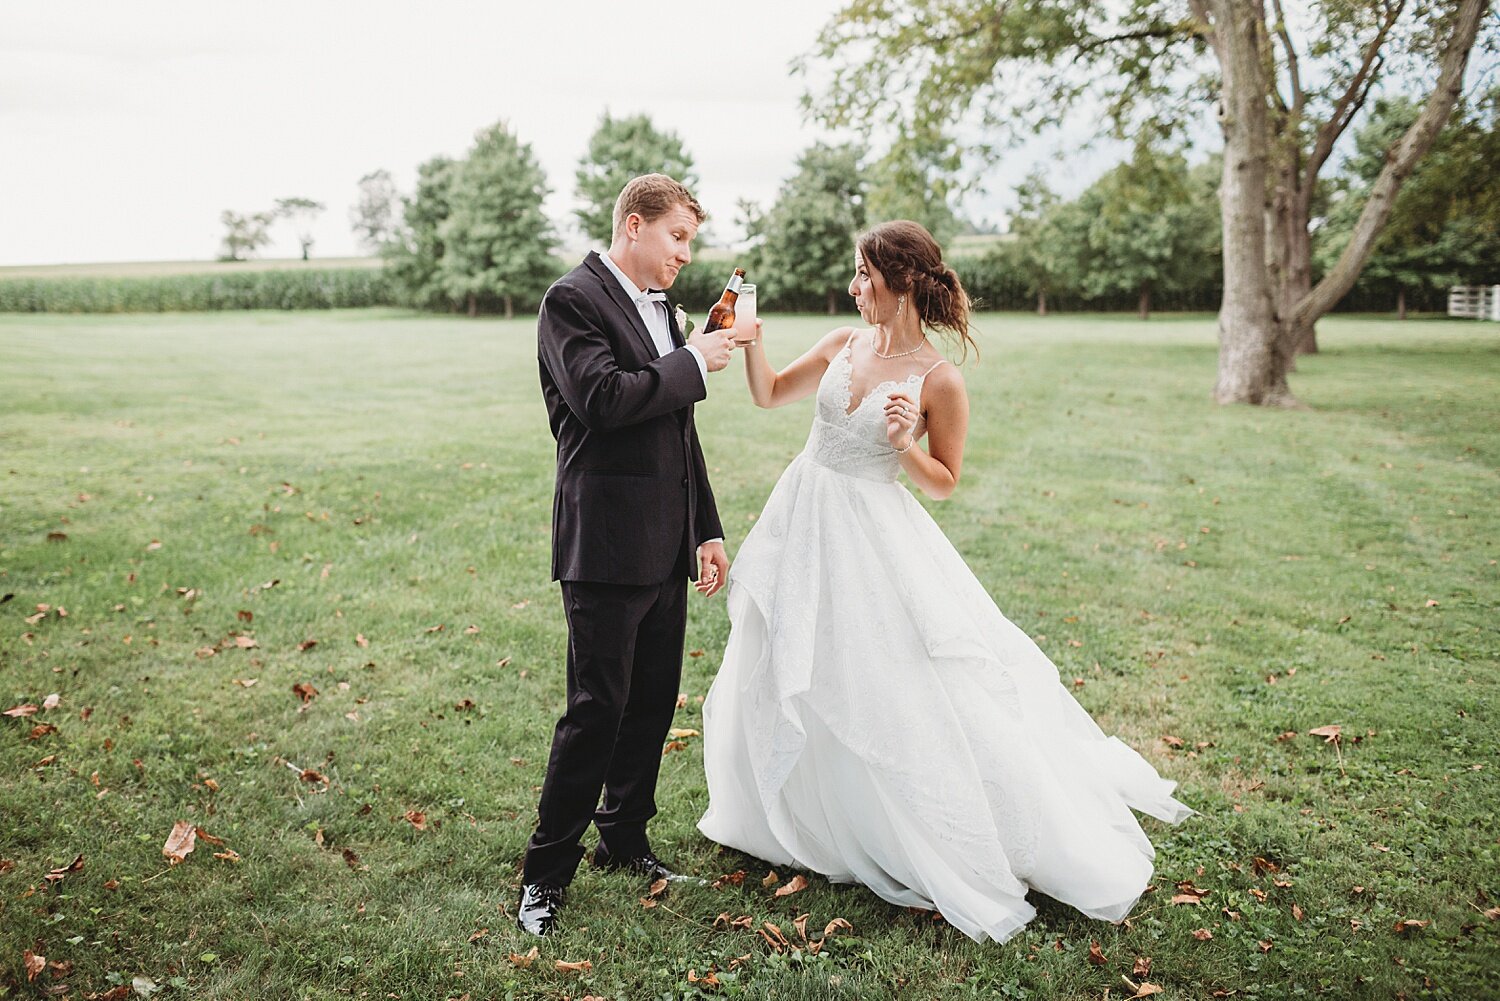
<point x="158" y="269"/>
<point x="286" y="574"/>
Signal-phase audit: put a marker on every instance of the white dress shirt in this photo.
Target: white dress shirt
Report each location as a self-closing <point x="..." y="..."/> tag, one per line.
<point x="654" y="313"/>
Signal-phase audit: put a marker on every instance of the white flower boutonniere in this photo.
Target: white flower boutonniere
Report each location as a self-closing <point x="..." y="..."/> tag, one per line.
<point x="683" y="323"/>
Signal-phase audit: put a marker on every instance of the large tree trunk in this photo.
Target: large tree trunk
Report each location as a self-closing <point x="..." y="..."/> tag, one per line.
<point x="1400" y="302"/>
<point x="1251" y="370"/>
<point x="1400" y="160"/>
<point x="1143" y="306"/>
<point x="833" y="302"/>
<point x="473" y="304"/>
<point x="1041" y="302"/>
<point x="510" y="308"/>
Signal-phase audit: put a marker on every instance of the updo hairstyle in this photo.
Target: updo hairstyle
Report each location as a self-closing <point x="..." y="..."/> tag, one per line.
<point x="911" y="261"/>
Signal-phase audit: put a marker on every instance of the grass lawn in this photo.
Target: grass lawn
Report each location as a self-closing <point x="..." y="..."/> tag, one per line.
<point x="236" y="510"/>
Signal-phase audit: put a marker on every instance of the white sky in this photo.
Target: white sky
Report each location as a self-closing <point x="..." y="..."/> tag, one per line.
<point x="127" y="127"/>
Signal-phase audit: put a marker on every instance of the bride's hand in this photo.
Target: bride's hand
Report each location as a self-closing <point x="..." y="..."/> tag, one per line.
<point x="901" y="420"/>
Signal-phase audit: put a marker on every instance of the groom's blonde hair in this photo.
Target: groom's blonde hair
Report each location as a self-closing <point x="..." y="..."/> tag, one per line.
<point x="652" y="196"/>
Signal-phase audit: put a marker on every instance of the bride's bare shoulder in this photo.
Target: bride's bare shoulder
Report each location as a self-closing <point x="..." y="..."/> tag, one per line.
<point x="833" y="342"/>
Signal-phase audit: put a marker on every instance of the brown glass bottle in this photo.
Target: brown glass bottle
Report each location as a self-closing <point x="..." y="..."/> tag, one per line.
<point x="722" y="315"/>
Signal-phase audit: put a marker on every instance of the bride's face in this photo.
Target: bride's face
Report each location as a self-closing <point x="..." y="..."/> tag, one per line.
<point x="871" y="297"/>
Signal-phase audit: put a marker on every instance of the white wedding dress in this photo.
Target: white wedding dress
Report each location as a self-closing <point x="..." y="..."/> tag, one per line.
<point x="877" y="719"/>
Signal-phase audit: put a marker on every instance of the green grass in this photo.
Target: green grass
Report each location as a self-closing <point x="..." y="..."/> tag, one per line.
<point x="392" y="474"/>
<point x="157" y="269"/>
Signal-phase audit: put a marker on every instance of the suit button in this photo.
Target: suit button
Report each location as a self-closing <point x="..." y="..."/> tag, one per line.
<point x="684" y="481"/>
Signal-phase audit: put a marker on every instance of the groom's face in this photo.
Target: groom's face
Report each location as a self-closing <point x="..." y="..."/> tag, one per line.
<point x="664" y="246"/>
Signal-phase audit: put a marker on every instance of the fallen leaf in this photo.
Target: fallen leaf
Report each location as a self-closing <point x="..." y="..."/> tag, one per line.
<point x="352" y="860"/>
<point x="731" y="879"/>
<point x="710" y="979"/>
<point x="1142" y="990"/>
<point x="228" y="855"/>
<point x="180" y="842"/>
<point x="657" y="888"/>
<point x="1262" y="865"/>
<point x="305" y="691"/>
<point x="1096" y="955"/>
<point x="24" y="709"/>
<point x="771" y="879"/>
<point x="417" y="818"/>
<point x="1171" y="741"/>
<point x="1329" y="733"/>
<point x="245" y="642"/>
<point x="1185" y="898"/>
<point x="1202" y="934"/>
<point x="481" y="933"/>
<point x="1142" y="967"/>
<point x="359" y="640"/>
<point x="725" y="921"/>
<point x="797" y="884"/>
<point x="679" y="731"/>
<point x="1287" y="735"/>
<point x="524" y="961"/>
<point x="306" y="645"/>
<point x="1297" y="912"/>
<point x="1265" y="946"/>
<point x="57" y="875"/>
<point x="837" y="924"/>
<point x="674" y="745"/>
<point x="682" y="700"/>
<point x="41" y="730"/>
<point x="1402" y="927"/>
<point x="245" y="616"/>
<point x="33" y="963"/>
<point x="52" y="701"/>
<point x="582" y="966"/>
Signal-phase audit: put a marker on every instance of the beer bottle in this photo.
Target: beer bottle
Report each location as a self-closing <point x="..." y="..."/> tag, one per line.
<point x="722" y="315"/>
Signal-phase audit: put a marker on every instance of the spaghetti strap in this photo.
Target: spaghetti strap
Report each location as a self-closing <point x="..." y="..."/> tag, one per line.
<point x="935" y="365"/>
<point x="850" y="340"/>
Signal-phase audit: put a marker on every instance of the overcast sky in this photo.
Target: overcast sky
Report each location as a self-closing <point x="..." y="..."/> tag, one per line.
<point x="128" y="127"/>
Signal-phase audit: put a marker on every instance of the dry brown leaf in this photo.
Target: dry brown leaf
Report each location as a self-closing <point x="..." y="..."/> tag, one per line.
<point x="711" y="979"/>
<point x="228" y="855"/>
<point x="352" y="859"/>
<point x="180" y="842"/>
<point x="800" y="923"/>
<point x="682" y="700"/>
<point x="797" y="884"/>
<point x="41" y="730"/>
<point x="1409" y="925"/>
<point x="24" y="709"/>
<point x="360" y="641"/>
<point x="245" y="616"/>
<point x="1297" y="912"/>
<point x="245" y="642"/>
<point x="680" y="731"/>
<point x="1493" y="913"/>
<point x="837" y="924"/>
<point x="305" y="691"/>
<point x="1096" y="955"/>
<point x="582" y="966"/>
<point x="57" y="875"/>
<point x="657" y="888"/>
<point x="744" y="921"/>
<point x="417" y="819"/>
<point x="481" y="933"/>
<point x="1142" y="990"/>
<point x="1265" y="946"/>
<point x="52" y="701"/>
<point x="524" y="960"/>
<point x="1170" y="740"/>
<point x="1142" y="967"/>
<point x="1263" y="865"/>
<point x="1329" y="733"/>
<point x="773" y="934"/>
<point x="1186" y="898"/>
<point x="736" y="878"/>
<point x="673" y="745"/>
<point x="771" y="879"/>
<point x="306" y="645"/>
<point x="1287" y="735"/>
<point x="1202" y="934"/>
<point x="33" y="963"/>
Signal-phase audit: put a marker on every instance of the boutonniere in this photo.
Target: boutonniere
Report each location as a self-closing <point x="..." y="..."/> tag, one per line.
<point x="683" y="323"/>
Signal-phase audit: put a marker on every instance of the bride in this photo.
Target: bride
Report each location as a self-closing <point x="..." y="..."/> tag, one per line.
<point x="876" y="718"/>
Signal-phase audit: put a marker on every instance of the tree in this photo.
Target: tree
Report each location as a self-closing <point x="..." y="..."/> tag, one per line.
<point x="619" y="149"/>
<point x="498" y="242"/>
<point x="1284" y="104"/>
<point x="1144" y="230"/>
<point x="808" y="234"/>
<point x="301" y="213"/>
<point x="244" y="234"/>
<point x="1445" y="226"/>
<point x="373" y="217"/>
<point x="902" y="186"/>
<point x="1036" y="250"/>
<point x="414" y="255"/>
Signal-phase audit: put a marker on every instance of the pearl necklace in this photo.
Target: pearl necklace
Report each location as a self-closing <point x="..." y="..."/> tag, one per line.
<point x="898" y="354"/>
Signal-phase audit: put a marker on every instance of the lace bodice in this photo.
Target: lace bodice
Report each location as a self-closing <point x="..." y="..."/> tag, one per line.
<point x="853" y="441"/>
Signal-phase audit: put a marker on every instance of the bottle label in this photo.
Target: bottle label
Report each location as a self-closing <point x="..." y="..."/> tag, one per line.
<point x="734" y="284"/>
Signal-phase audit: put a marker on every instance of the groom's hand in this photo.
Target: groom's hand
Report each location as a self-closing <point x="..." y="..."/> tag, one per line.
<point x="713" y="568"/>
<point x="714" y="346"/>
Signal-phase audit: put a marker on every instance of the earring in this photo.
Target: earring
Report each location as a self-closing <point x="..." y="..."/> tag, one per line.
<point x="900" y="305"/>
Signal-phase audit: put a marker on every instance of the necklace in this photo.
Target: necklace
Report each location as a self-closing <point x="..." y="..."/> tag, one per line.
<point x="898" y="354"/>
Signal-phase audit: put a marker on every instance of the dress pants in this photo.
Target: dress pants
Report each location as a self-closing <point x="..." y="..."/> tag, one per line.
<point x="625" y="647"/>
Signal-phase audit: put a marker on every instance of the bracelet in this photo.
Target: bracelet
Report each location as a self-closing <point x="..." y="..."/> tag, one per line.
<point x="911" y="440"/>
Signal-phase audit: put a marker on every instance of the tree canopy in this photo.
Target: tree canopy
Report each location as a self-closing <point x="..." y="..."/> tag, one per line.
<point x="620" y="149"/>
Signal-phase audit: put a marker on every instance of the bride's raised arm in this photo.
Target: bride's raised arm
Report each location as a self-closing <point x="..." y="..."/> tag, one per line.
<point x="770" y="388"/>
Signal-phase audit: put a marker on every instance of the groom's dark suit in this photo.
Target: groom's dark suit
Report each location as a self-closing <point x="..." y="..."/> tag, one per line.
<point x="632" y="504"/>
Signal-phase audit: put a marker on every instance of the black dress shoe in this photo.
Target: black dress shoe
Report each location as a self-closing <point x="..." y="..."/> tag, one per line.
<point x="646" y="864"/>
<point x="537" y="911"/>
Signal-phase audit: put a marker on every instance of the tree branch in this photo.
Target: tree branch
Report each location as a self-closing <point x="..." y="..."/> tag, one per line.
<point x="1400" y="161"/>
<point x="1299" y="99"/>
<point x="1351" y="100"/>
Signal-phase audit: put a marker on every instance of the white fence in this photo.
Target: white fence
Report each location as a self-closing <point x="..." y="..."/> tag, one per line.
<point x="1474" y="302"/>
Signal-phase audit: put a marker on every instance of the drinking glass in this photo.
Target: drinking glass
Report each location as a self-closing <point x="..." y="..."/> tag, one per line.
<point x="744" y="315"/>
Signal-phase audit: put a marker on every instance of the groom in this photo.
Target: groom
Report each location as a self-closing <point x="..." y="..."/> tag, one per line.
<point x="632" y="519"/>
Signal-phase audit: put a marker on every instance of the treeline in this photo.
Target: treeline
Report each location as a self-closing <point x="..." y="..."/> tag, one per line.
<point x="304" y="288"/>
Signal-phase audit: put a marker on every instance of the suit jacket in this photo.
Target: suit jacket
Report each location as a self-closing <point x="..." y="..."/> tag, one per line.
<point x="632" y="489"/>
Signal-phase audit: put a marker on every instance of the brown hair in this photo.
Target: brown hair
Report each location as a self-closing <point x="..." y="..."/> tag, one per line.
<point x="652" y="196"/>
<point x="911" y="261"/>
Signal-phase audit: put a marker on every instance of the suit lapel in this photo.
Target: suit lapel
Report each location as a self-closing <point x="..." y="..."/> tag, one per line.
<point x="617" y="294"/>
